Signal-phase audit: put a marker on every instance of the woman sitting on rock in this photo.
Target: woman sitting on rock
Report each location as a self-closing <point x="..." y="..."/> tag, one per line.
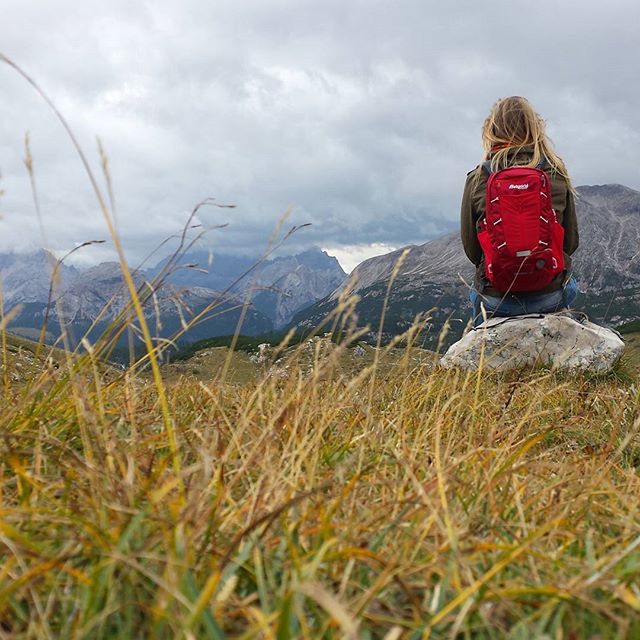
<point x="518" y="218"/>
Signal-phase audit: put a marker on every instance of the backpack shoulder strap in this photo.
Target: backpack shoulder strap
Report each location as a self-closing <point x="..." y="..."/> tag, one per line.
<point x="486" y="167"/>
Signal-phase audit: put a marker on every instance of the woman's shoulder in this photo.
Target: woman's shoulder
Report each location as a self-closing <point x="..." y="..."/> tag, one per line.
<point x="558" y="179"/>
<point x="477" y="176"/>
<point x="472" y="176"/>
<point x="557" y="173"/>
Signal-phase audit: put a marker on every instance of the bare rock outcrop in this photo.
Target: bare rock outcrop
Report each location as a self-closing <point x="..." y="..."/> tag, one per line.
<point x="561" y="341"/>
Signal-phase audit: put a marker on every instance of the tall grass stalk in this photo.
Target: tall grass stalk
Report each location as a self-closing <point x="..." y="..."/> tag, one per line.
<point x="124" y="267"/>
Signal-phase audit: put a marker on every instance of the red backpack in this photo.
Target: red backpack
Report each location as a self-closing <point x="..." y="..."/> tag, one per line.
<point x="520" y="235"/>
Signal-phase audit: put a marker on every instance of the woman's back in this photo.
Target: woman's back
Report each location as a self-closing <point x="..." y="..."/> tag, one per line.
<point x="513" y="135"/>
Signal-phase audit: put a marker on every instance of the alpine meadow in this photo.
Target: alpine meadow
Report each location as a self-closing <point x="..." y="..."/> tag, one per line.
<point x="334" y="484"/>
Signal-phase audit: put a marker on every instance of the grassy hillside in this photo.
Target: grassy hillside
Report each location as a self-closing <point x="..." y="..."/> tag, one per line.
<point x="21" y="359"/>
<point x="251" y="363"/>
<point x="388" y="500"/>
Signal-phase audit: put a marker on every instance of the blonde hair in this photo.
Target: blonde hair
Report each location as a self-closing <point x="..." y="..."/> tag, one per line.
<point x="512" y="125"/>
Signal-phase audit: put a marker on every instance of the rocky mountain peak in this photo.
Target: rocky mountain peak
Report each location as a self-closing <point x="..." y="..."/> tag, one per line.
<point x="278" y="287"/>
<point x="607" y="191"/>
<point x="26" y="277"/>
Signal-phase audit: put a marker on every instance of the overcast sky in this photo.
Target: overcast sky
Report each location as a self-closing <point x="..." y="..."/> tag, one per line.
<point x="363" y="117"/>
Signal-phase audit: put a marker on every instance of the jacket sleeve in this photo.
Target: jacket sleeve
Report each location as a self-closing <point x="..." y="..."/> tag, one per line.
<point x="468" y="223"/>
<point x="570" y="224"/>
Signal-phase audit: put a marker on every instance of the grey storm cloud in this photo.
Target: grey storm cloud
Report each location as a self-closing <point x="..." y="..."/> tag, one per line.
<point x="363" y="117"/>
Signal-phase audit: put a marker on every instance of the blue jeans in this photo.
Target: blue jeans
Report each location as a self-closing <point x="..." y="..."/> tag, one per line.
<point x="514" y="305"/>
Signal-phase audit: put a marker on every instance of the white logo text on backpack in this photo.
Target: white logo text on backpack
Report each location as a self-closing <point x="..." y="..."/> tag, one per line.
<point x="519" y="186"/>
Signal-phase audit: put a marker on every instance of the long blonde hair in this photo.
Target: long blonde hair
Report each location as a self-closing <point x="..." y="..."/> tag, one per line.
<point x="512" y="125"/>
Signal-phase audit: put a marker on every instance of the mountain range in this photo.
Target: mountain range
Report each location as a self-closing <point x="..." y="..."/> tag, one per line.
<point x="264" y="293"/>
<point x="300" y="290"/>
<point x="278" y="288"/>
<point x="436" y="275"/>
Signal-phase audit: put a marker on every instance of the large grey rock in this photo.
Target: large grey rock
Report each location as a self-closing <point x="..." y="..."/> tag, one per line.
<point x="559" y="340"/>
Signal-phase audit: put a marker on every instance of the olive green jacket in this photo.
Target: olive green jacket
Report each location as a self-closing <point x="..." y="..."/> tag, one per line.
<point x="473" y="210"/>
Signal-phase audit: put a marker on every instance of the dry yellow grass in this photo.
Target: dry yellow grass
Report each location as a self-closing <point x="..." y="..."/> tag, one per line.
<point x="322" y="504"/>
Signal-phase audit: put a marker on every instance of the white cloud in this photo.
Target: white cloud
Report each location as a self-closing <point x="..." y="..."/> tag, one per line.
<point x="350" y="256"/>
